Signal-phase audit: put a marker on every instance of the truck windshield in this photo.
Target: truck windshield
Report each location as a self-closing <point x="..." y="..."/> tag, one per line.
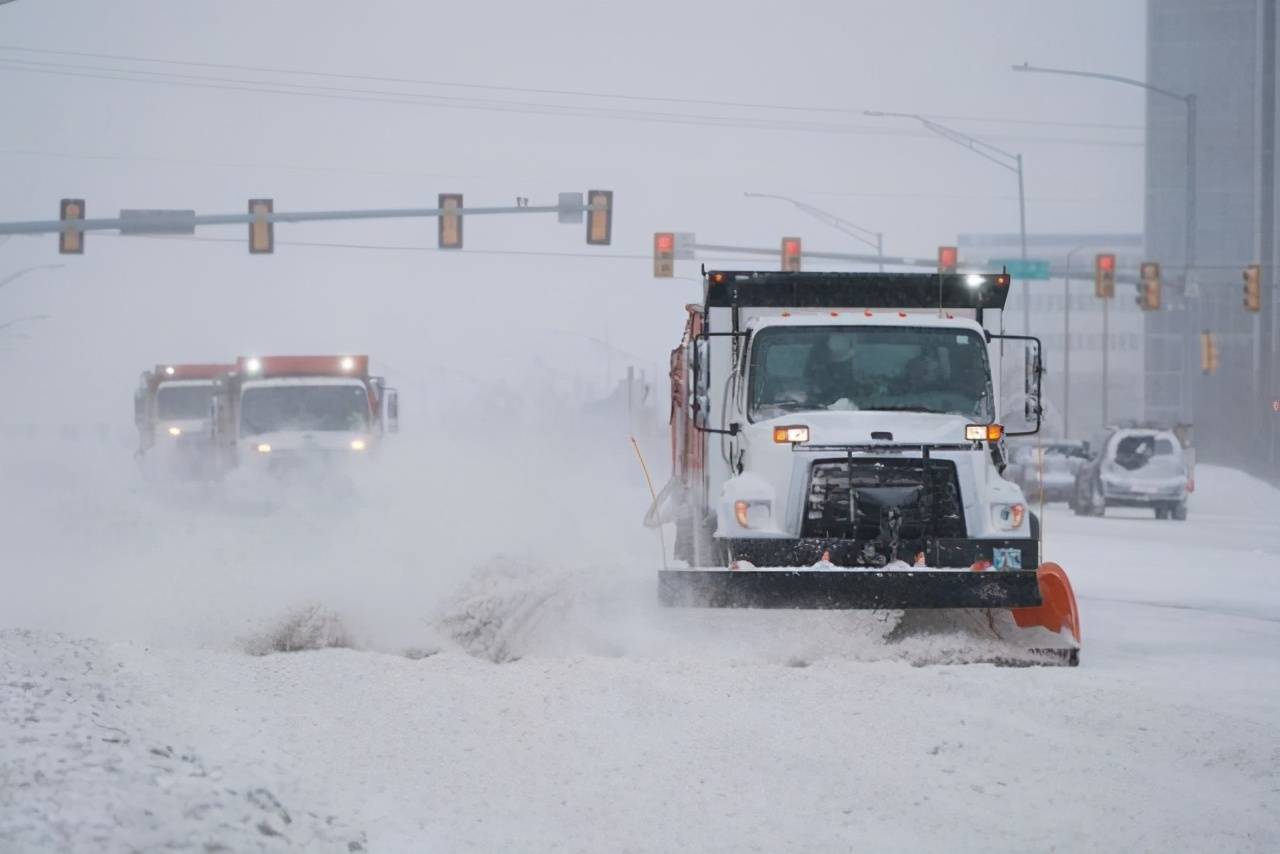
<point x="883" y="368"/>
<point x="268" y="409"/>
<point x="183" y="402"/>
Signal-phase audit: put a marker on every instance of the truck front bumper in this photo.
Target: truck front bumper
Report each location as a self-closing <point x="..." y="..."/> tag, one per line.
<point x="856" y="589"/>
<point x="959" y="553"/>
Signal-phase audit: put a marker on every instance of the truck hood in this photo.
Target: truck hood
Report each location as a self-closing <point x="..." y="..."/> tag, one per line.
<point x="854" y="427"/>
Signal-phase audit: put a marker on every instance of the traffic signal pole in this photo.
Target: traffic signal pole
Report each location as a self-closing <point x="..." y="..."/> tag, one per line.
<point x="170" y="222"/>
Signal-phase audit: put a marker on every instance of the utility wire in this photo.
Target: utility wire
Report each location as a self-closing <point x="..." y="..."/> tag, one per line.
<point x="576" y="93"/>
<point x="488" y="105"/>
<point x="409" y="173"/>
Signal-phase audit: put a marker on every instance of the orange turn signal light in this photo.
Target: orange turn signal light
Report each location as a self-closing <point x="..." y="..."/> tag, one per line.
<point x="792" y="435"/>
<point x="740" y="513"/>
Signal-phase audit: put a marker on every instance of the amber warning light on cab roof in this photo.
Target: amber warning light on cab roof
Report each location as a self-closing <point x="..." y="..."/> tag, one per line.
<point x="283" y="366"/>
<point x="177" y="371"/>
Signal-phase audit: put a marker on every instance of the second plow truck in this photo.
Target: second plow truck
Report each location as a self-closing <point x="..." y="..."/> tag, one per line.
<point x="837" y="443"/>
<point x="171" y="410"/>
<point x="284" y="413"/>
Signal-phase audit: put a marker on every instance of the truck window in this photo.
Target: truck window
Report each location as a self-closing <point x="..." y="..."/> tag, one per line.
<point x="891" y="368"/>
<point x="268" y="409"/>
<point x="183" y="402"/>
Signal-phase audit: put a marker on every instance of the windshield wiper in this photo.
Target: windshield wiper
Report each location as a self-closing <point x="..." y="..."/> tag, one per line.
<point x="902" y="408"/>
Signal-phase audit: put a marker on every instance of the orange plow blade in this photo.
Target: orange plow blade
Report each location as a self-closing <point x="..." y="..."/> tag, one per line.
<point x="1058" y="604"/>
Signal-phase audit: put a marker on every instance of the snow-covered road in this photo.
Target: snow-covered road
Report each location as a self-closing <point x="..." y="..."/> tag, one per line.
<point x="551" y="707"/>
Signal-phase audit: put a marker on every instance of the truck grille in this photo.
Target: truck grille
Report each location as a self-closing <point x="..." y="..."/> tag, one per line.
<point x="891" y="500"/>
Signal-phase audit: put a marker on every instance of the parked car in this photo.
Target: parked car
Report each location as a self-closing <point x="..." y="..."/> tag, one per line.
<point x="1052" y="463"/>
<point x="1135" y="467"/>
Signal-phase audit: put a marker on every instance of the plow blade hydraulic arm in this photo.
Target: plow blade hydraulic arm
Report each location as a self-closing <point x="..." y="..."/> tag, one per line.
<point x="848" y="590"/>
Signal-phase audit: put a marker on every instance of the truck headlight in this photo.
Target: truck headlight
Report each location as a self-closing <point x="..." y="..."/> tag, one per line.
<point x="175" y="431"/>
<point x="983" y="432"/>
<point x="1008" y="517"/>
<point x="264" y="448"/>
<point x="357" y="444"/>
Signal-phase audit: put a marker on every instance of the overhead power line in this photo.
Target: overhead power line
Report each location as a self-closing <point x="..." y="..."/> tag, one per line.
<point x="575" y="93"/>
<point x="201" y="81"/>
<point x="412" y="173"/>
<point x="559" y="110"/>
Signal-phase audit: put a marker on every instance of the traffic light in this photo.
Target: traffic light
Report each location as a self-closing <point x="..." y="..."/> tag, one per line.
<point x="71" y="241"/>
<point x="449" y="232"/>
<point x="262" y="233"/>
<point x="1253" y="287"/>
<point x="1208" y="353"/>
<point x="948" y="259"/>
<point x="1149" y="287"/>
<point x="791" y="255"/>
<point x="664" y="255"/>
<point x="600" y="217"/>
<point x="1104" y="276"/>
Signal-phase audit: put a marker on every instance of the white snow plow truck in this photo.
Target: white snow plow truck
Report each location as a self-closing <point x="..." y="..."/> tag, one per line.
<point x="281" y="413"/>
<point x="838" y="442"/>
<point x="171" y="411"/>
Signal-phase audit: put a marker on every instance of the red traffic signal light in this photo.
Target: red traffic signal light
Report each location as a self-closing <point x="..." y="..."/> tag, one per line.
<point x="664" y="255"/>
<point x="1253" y="287"/>
<point x="791" y="255"/>
<point x="948" y="259"/>
<point x="1104" y="276"/>
<point x="71" y="240"/>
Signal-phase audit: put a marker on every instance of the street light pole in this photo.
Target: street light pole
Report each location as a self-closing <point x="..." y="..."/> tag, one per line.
<point x="998" y="156"/>
<point x="857" y="232"/>
<point x="1187" y="403"/>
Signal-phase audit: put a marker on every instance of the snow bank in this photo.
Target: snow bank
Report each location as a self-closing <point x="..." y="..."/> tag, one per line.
<point x="87" y="765"/>
<point x="589" y="753"/>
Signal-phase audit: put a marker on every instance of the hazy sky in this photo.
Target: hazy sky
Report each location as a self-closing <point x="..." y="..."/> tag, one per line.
<point x="211" y="144"/>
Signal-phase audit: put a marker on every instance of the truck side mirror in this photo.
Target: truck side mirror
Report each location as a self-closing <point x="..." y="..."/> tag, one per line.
<point x="391" y="410"/>
<point x="1032" y="366"/>
<point x="1031" y="381"/>
<point x="700" y="400"/>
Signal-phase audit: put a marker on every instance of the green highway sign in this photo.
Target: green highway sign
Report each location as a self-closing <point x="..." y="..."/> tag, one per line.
<point x="1030" y="268"/>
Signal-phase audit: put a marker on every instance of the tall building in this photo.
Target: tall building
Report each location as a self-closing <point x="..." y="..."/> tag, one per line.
<point x="1222" y="52"/>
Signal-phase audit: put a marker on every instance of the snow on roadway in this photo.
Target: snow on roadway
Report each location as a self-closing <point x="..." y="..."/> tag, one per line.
<point x="612" y="725"/>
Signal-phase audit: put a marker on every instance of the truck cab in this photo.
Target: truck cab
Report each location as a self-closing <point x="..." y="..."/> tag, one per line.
<point x="281" y="412"/>
<point x="172" y="408"/>
<point x="853" y="419"/>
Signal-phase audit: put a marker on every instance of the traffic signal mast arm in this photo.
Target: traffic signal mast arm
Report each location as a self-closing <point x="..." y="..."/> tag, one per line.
<point x="54" y="226"/>
<point x="72" y="223"/>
